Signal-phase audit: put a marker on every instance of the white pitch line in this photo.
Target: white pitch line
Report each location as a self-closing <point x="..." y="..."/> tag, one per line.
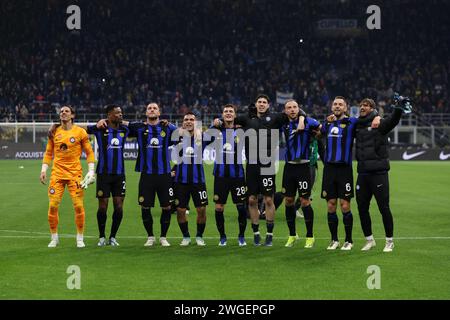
<point x="37" y="235"/>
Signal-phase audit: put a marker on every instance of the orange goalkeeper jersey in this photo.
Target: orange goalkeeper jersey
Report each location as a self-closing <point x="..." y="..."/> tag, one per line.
<point x="65" y="149"/>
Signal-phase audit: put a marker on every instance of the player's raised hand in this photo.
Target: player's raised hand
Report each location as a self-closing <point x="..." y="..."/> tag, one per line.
<point x="301" y="123"/>
<point x="102" y="124"/>
<point x="217" y="122"/>
<point x="331" y="118"/>
<point x="198" y="134"/>
<point x="376" y="122"/>
<point x="164" y="122"/>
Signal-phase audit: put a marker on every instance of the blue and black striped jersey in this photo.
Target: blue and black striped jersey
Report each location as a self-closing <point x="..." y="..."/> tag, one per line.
<point x="110" y="144"/>
<point x="297" y="142"/>
<point x="190" y="162"/>
<point x="339" y="136"/>
<point x="153" y="142"/>
<point x="229" y="153"/>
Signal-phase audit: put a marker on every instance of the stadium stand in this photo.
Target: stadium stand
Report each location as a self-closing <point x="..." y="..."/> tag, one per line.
<point x="197" y="55"/>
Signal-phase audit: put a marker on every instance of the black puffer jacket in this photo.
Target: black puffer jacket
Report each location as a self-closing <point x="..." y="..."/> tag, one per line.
<point x="372" y="144"/>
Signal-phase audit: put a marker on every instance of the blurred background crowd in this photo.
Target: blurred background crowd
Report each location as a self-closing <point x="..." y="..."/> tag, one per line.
<point x="200" y="54"/>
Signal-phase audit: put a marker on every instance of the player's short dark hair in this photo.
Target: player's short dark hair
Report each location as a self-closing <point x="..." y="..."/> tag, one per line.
<point x="189" y="113"/>
<point x="263" y="96"/>
<point x="343" y="98"/>
<point x="369" y="101"/>
<point x="110" y="107"/>
<point x="229" y="105"/>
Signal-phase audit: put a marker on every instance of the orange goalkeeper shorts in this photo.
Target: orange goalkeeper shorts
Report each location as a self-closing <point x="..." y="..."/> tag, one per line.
<point x="57" y="186"/>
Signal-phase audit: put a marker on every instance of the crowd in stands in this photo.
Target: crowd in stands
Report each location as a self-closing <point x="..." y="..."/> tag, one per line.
<point x="200" y="54"/>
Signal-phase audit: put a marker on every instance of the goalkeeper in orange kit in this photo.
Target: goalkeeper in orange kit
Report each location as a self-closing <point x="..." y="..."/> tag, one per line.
<point x="65" y="150"/>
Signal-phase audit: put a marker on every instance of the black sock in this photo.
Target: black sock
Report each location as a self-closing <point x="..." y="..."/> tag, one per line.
<point x="278" y="199"/>
<point x="308" y="213"/>
<point x="184" y="229"/>
<point x="270" y="224"/>
<point x="165" y="221"/>
<point x="348" y="224"/>
<point x="290" y="219"/>
<point x="333" y="225"/>
<point x="147" y="219"/>
<point x="116" y="220"/>
<point x="242" y="219"/>
<point x="200" y="229"/>
<point x="101" y="221"/>
<point x="255" y="227"/>
<point x="220" y="223"/>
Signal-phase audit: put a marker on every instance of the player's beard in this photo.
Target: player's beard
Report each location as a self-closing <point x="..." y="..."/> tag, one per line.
<point x="339" y="114"/>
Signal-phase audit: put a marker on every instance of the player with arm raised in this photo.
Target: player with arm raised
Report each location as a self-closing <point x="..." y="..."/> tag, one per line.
<point x="65" y="150"/>
<point x="373" y="167"/>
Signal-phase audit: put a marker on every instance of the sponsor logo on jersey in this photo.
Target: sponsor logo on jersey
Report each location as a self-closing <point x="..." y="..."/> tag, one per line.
<point x="114" y="144"/>
<point x="334" y="132"/>
<point x="72" y="139"/>
<point x="154" y="143"/>
<point x="189" y="152"/>
<point x="228" y="148"/>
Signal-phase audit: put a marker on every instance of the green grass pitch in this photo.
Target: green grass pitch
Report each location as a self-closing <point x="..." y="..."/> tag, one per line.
<point x="417" y="269"/>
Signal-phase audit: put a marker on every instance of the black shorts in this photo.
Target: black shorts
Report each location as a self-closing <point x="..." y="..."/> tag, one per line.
<point x="150" y="184"/>
<point x="257" y="183"/>
<point x="297" y="177"/>
<point x="183" y="193"/>
<point x="235" y="186"/>
<point x="110" y="184"/>
<point x="337" y="182"/>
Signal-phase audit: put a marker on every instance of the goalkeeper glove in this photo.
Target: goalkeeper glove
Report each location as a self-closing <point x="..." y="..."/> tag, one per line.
<point x="402" y="103"/>
<point x="89" y="178"/>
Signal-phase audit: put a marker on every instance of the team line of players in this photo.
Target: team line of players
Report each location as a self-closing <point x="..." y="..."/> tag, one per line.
<point x="160" y="141"/>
